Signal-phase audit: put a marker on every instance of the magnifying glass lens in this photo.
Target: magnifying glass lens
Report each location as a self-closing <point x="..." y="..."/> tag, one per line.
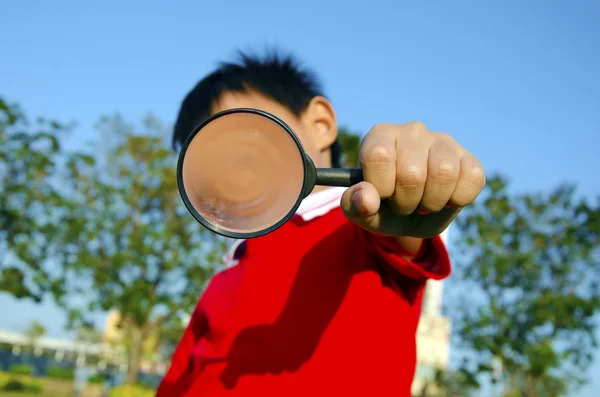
<point x="243" y="173"/>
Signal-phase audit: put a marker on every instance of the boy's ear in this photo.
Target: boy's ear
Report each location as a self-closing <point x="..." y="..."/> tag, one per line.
<point x="320" y="119"/>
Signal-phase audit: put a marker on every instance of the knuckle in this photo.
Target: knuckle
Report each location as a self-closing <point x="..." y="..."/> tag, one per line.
<point x="379" y="127"/>
<point x="417" y="125"/>
<point x="414" y="130"/>
<point x="445" y="137"/>
<point x="476" y="176"/>
<point x="377" y="156"/>
<point x="474" y="180"/>
<point x="445" y="171"/>
<point x="411" y="177"/>
<point x="381" y="130"/>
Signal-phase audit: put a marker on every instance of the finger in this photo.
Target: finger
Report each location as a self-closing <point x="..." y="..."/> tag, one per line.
<point x="360" y="204"/>
<point x="470" y="182"/>
<point x="411" y="174"/>
<point x="378" y="159"/>
<point x="443" y="170"/>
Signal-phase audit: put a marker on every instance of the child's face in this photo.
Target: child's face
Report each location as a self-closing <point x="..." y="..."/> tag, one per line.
<point x="316" y="127"/>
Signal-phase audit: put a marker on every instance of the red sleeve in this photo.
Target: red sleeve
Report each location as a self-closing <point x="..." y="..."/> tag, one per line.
<point x="433" y="263"/>
<point x="196" y="330"/>
<point x="220" y="291"/>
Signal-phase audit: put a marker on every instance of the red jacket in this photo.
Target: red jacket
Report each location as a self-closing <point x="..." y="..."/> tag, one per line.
<point x="317" y="307"/>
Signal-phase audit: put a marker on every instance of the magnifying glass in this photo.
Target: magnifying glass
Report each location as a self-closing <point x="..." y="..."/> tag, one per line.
<point x="243" y="173"/>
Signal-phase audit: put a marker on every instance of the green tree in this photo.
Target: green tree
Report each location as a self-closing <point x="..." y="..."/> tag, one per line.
<point x="88" y="334"/>
<point x="34" y="332"/>
<point x="131" y="245"/>
<point x="450" y="384"/>
<point x="30" y="204"/>
<point x="171" y="333"/>
<point x="530" y="266"/>
<point x="350" y="145"/>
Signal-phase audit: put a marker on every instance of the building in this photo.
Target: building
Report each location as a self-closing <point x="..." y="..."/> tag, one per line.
<point x="433" y="335"/>
<point x="112" y="333"/>
<point x="81" y="353"/>
<point x="115" y="332"/>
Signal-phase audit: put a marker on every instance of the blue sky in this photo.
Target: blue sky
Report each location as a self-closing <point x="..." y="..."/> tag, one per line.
<point x="516" y="82"/>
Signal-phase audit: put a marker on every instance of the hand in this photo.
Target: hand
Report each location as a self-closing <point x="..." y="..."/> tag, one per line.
<point x="415" y="181"/>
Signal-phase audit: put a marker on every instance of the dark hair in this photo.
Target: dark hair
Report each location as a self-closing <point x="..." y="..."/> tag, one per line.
<point x="275" y="76"/>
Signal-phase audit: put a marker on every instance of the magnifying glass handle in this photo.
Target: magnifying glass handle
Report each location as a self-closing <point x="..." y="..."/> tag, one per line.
<point x="344" y="177"/>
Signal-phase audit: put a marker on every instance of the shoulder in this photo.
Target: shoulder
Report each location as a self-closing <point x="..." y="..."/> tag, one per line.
<point x="221" y="293"/>
<point x="225" y="280"/>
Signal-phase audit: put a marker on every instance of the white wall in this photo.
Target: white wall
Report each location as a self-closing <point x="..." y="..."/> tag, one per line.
<point x="432" y="302"/>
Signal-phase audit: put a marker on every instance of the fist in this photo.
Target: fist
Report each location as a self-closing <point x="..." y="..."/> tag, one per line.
<point x="415" y="181"/>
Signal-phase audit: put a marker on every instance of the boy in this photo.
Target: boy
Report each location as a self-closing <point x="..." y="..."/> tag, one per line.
<point x="330" y="302"/>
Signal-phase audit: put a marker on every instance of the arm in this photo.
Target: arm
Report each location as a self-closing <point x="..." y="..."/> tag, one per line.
<point x="221" y="289"/>
<point x="430" y="262"/>
<point x="412" y="247"/>
<point x="195" y="331"/>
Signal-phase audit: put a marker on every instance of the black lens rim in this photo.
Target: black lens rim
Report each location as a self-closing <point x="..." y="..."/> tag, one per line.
<point x="306" y="161"/>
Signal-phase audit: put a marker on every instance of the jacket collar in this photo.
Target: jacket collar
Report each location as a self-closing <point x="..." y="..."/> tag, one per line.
<point x="313" y="206"/>
<point x="320" y="203"/>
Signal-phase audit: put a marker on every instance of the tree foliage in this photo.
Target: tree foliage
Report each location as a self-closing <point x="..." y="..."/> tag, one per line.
<point x="458" y="383"/>
<point x="35" y="331"/>
<point x="530" y="265"/>
<point x="350" y="145"/>
<point x="88" y="334"/>
<point x="130" y="244"/>
<point x="31" y="205"/>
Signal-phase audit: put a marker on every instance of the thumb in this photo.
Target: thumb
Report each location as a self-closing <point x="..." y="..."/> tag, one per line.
<point x="360" y="204"/>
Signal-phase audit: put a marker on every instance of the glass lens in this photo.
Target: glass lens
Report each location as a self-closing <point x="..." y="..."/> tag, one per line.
<point x="243" y="172"/>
